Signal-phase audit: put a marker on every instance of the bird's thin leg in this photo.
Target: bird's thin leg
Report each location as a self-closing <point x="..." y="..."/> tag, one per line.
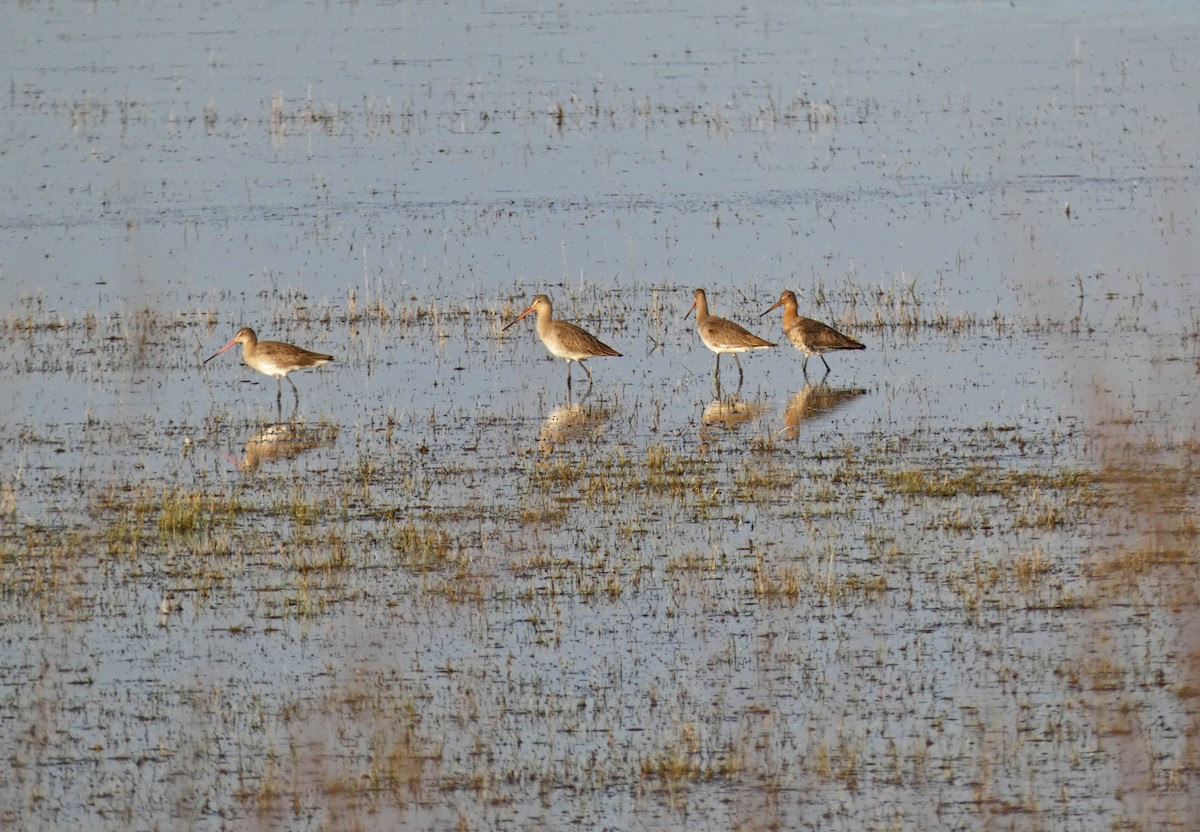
<point x="295" y="390"/>
<point x="739" y="366"/>
<point x="804" y="366"/>
<point x="826" y="363"/>
<point x="589" y="375"/>
<point x="717" y="369"/>
<point x="568" y="376"/>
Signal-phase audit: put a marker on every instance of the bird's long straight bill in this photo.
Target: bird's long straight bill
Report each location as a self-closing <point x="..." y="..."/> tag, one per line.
<point x="218" y="352"/>
<point x="514" y="320"/>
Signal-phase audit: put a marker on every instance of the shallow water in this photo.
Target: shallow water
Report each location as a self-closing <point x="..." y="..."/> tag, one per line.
<point x="955" y="585"/>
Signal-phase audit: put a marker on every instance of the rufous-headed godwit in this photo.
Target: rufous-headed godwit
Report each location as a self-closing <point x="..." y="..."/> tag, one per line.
<point x="809" y="336"/>
<point x="723" y="336"/>
<point x="273" y="358"/>
<point x="565" y="340"/>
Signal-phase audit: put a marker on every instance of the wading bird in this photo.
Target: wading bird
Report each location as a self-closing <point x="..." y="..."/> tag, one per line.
<point x="723" y="336"/>
<point x="273" y="358"/>
<point x="809" y="336"/>
<point x="565" y="340"/>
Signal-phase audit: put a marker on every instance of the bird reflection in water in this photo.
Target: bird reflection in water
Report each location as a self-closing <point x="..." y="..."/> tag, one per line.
<point x="729" y="414"/>
<point x="283" y="440"/>
<point x="168" y="606"/>
<point x="814" y="401"/>
<point x="571" y="423"/>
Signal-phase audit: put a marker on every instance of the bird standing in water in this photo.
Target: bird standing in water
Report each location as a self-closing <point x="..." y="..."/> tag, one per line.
<point x="565" y="340"/>
<point x="809" y="336"/>
<point x="723" y="336"/>
<point x="273" y="358"/>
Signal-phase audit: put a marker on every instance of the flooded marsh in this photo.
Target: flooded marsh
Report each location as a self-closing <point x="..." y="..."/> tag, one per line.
<point x="950" y="584"/>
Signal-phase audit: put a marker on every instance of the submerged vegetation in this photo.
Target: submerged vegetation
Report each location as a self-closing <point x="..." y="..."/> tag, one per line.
<point x="605" y="518"/>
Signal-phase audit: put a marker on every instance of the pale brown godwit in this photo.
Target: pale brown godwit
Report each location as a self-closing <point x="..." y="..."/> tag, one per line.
<point x="565" y="340"/>
<point x="809" y="336"/>
<point x="722" y="336"/>
<point x="273" y="358"/>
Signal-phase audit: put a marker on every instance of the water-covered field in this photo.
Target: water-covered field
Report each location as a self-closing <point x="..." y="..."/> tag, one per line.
<point x="951" y="584"/>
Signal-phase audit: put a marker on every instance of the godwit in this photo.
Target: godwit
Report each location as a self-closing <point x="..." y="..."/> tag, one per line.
<point x="722" y="336"/>
<point x="809" y="336"/>
<point x="563" y="339"/>
<point x="273" y="358"/>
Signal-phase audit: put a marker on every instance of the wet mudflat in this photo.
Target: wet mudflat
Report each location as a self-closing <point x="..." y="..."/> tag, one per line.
<point x="952" y="584"/>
